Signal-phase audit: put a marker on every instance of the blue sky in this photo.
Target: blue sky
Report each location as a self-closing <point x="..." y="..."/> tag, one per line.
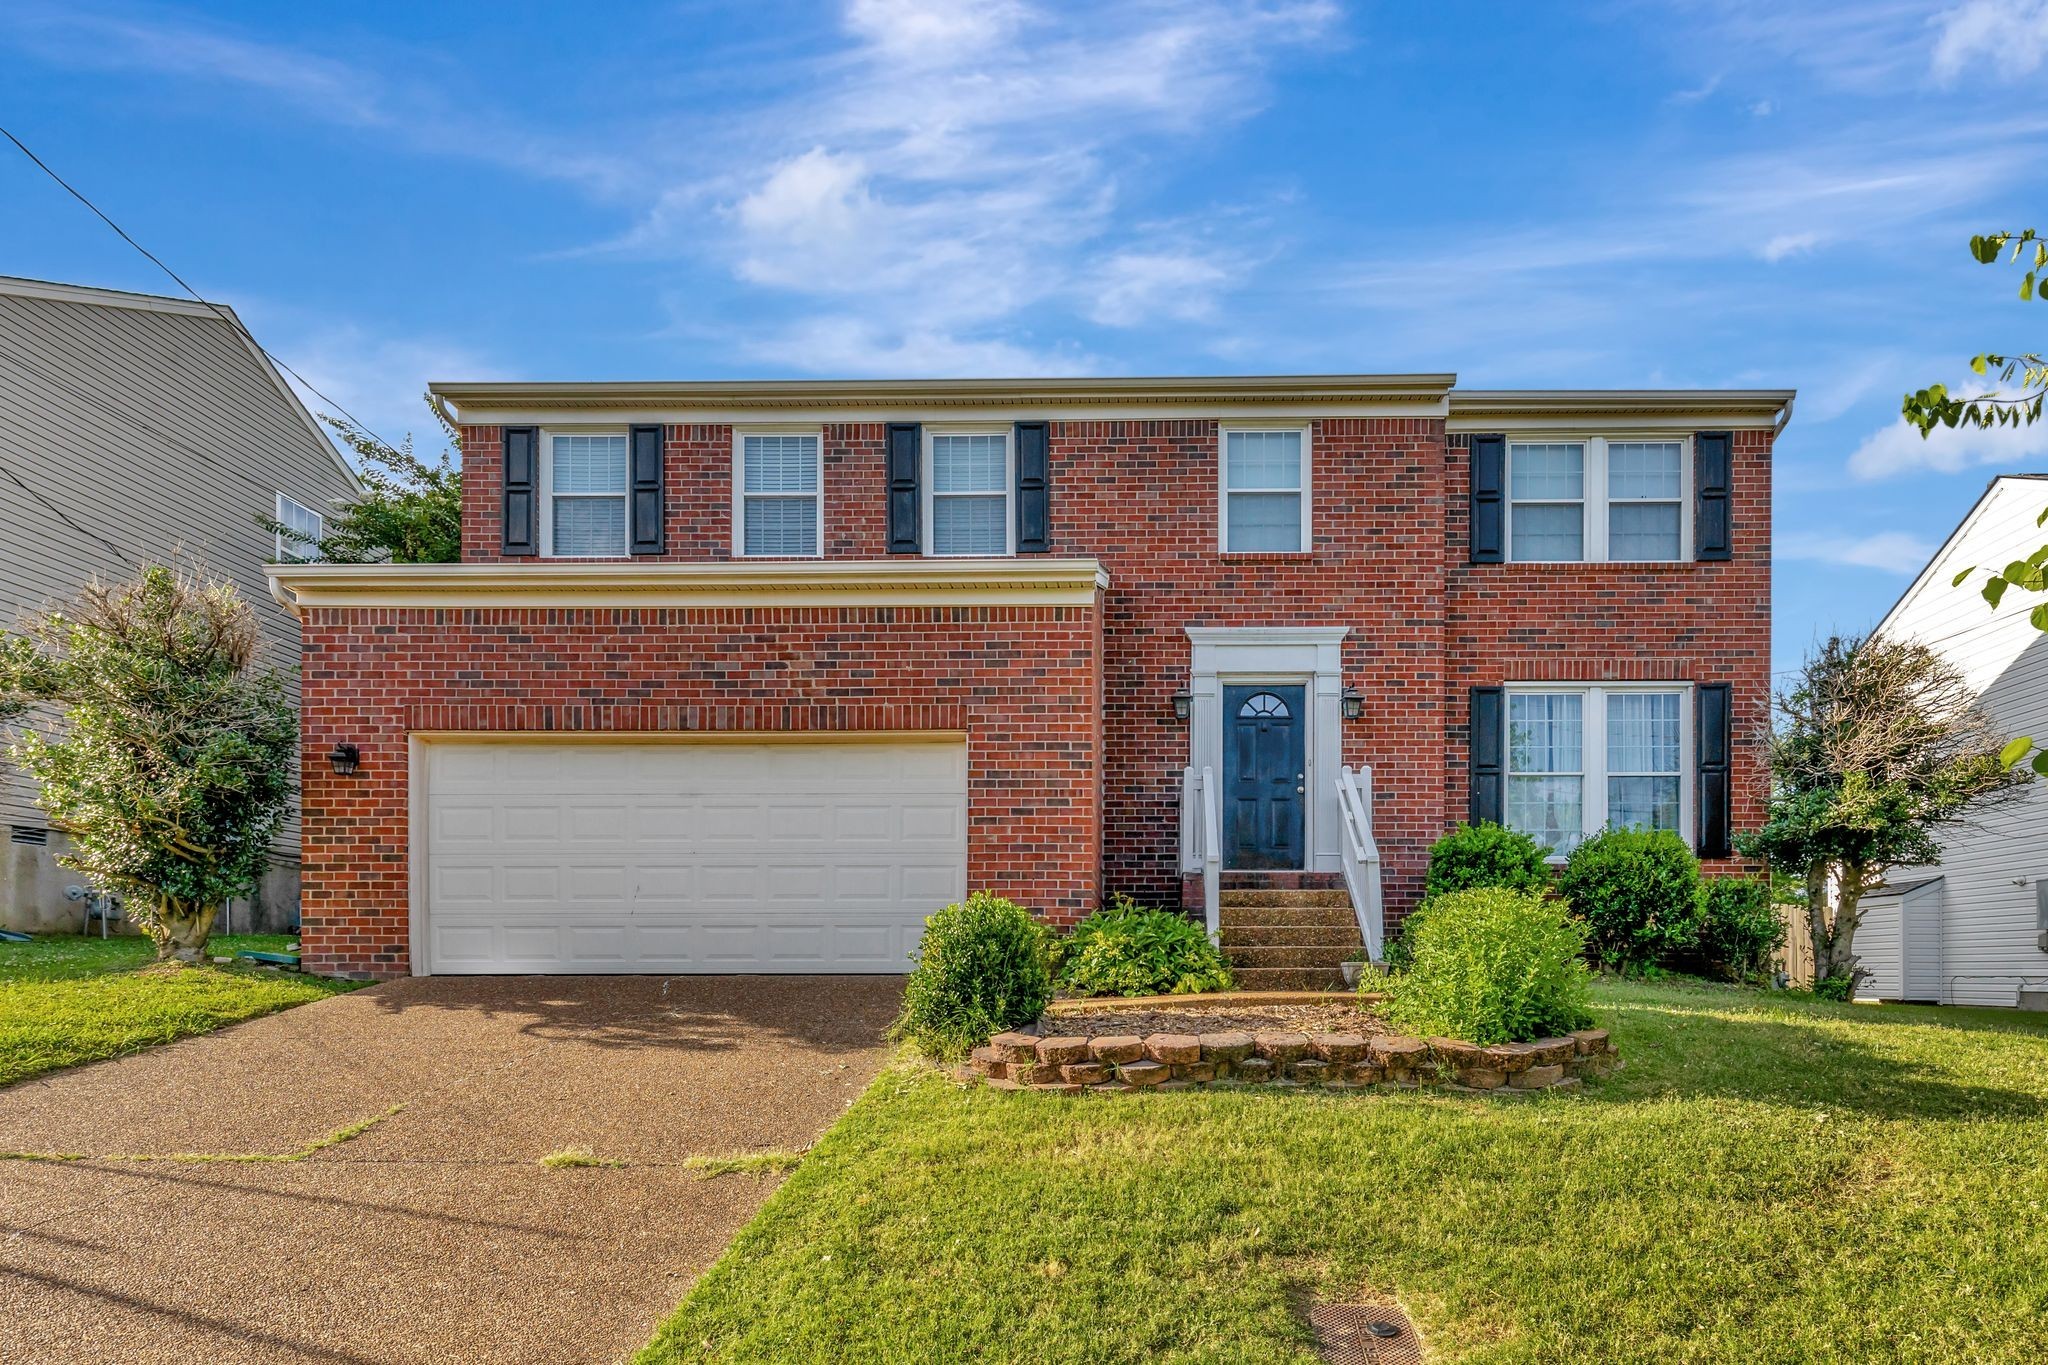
<point x="1719" y="193"/>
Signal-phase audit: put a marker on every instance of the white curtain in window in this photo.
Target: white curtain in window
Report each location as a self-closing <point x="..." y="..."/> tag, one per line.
<point x="1643" y="760"/>
<point x="1546" y="767"/>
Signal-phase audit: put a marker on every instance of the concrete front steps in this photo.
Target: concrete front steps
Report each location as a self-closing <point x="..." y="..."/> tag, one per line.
<point x="1287" y="930"/>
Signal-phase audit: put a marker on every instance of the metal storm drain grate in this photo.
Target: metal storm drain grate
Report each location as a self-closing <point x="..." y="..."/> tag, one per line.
<point x="1364" y="1334"/>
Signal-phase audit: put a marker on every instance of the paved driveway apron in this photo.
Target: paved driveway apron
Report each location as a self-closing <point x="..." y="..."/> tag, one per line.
<point x="434" y="1235"/>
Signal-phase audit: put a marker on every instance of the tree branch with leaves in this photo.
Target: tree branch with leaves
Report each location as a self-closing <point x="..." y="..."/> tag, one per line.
<point x="410" y="511"/>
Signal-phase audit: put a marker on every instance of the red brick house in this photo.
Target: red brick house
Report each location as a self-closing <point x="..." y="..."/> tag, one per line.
<point x="753" y="676"/>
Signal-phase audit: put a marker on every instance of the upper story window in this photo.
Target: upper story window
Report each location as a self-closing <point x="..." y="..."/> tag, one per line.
<point x="1583" y="759"/>
<point x="583" y="495"/>
<point x="780" y="507"/>
<point x="306" y="527"/>
<point x="967" y="502"/>
<point x="1265" y="491"/>
<point x="1596" y="500"/>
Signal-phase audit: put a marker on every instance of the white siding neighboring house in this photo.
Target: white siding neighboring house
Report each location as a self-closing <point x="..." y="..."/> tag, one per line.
<point x="132" y="428"/>
<point x="1969" y="931"/>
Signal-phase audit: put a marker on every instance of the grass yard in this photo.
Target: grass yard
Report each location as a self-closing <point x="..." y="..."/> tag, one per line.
<point x="66" y="1000"/>
<point x="1770" y="1179"/>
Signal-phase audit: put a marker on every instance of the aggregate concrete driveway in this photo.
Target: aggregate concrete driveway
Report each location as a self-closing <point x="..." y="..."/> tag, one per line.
<point x="435" y="1235"/>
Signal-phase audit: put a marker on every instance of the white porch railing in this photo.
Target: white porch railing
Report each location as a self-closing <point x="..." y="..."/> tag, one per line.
<point x="1361" y="856"/>
<point x="1201" y="840"/>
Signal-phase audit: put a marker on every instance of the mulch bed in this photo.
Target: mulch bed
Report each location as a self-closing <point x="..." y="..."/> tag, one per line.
<point x="1333" y="1017"/>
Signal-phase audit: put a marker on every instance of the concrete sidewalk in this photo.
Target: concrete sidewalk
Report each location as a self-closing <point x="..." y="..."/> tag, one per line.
<point x="435" y="1235"/>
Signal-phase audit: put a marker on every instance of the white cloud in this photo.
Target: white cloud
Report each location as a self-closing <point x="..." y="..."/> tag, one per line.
<point x="1788" y="244"/>
<point x="2010" y="36"/>
<point x="841" y="345"/>
<point x="1898" y="449"/>
<point x="1133" y="287"/>
<point x="381" y="380"/>
<point x="1896" y="552"/>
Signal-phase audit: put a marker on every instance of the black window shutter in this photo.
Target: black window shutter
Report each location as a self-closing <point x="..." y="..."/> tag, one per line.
<point x="522" y="490"/>
<point x="906" y="454"/>
<point x="1711" y="734"/>
<point x="1484" y="742"/>
<point x="1034" y="475"/>
<point x="1713" y="525"/>
<point x="1488" y="522"/>
<point x="646" y="460"/>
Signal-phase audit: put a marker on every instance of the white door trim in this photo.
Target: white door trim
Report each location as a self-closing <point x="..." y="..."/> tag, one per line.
<point x="1311" y="655"/>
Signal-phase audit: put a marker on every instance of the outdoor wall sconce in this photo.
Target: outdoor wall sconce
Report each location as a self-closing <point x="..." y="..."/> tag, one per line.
<point x="1354" y="703"/>
<point x="346" y="758"/>
<point x="1183" y="706"/>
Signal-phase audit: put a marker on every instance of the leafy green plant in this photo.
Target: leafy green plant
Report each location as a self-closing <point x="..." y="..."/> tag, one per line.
<point x="983" y="966"/>
<point x="410" y="510"/>
<point x="173" y="766"/>
<point x="1638" y="892"/>
<point x="1840" y="987"/>
<point x="1739" y="927"/>
<point x="1485" y="854"/>
<point x="1131" y="949"/>
<point x="1492" y="965"/>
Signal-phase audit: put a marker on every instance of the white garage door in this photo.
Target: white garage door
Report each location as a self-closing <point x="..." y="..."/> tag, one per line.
<point x="689" y="857"/>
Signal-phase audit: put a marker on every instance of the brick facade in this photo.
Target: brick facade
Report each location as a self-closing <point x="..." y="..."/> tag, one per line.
<point x="1075" y="756"/>
<point x="1022" y="684"/>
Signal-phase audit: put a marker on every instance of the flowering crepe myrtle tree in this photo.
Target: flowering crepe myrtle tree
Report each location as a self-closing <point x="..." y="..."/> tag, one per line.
<point x="1881" y="746"/>
<point x="171" y="762"/>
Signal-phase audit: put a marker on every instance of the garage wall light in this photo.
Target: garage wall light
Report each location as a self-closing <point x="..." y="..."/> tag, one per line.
<point x="346" y="758"/>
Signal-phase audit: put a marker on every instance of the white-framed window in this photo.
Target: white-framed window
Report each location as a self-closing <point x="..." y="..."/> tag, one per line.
<point x="778" y="494"/>
<point x="306" y="527"/>
<point x="1581" y="759"/>
<point x="1598" y="499"/>
<point x="1264" y="507"/>
<point x="968" y="476"/>
<point x="583" y="495"/>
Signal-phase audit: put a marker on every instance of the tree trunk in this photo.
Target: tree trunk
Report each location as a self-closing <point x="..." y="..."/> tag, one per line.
<point x="181" y="930"/>
<point x="1839" y="957"/>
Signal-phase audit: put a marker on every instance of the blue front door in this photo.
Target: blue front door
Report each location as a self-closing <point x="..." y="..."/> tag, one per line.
<point x="1264" y="776"/>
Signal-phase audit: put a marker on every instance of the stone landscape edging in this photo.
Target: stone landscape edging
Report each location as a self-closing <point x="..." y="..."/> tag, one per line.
<point x="1120" y="1063"/>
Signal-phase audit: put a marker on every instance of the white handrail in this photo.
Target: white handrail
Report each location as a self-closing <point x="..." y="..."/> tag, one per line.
<point x="1201" y="840"/>
<point x="1360" y="857"/>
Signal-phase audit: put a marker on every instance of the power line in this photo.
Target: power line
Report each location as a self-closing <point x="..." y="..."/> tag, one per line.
<point x="154" y="260"/>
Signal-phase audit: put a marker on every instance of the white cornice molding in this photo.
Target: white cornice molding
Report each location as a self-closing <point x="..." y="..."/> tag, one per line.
<point x="1616" y="409"/>
<point x="903" y="582"/>
<point x="881" y="399"/>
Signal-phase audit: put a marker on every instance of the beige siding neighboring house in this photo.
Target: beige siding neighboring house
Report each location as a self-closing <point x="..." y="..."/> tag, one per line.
<point x="1969" y="931"/>
<point x="136" y="428"/>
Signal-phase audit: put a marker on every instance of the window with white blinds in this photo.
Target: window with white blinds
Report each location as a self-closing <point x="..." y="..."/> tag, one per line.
<point x="969" y="497"/>
<point x="1597" y="500"/>
<point x="586" y="495"/>
<point x="1580" y="760"/>
<point x="781" y="506"/>
<point x="1265" y="491"/>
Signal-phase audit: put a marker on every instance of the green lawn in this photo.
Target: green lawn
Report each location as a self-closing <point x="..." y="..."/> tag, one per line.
<point x="1769" y="1179"/>
<point x="67" y="1000"/>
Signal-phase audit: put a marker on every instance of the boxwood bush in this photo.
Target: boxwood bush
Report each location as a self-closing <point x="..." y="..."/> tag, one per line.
<point x="1492" y="965"/>
<point x="1638" y="892"/>
<point x="1739" y="928"/>
<point x="984" y="965"/>
<point x="1485" y="854"/>
<point x="1130" y="949"/>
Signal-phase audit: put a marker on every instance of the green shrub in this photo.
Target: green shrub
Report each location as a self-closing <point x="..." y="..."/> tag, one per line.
<point x="1739" y="927"/>
<point x="1130" y="949"/>
<point x="1840" y="987"/>
<point x="984" y="965"/>
<point x="1639" y="892"/>
<point x="1485" y="854"/>
<point x="1493" y="966"/>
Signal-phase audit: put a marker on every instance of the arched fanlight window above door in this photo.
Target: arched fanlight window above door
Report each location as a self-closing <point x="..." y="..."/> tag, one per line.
<point x="1262" y="705"/>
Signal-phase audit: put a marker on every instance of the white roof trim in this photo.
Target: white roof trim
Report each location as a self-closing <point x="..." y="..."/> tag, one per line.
<point x="1937" y="563"/>
<point x="900" y="582"/>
